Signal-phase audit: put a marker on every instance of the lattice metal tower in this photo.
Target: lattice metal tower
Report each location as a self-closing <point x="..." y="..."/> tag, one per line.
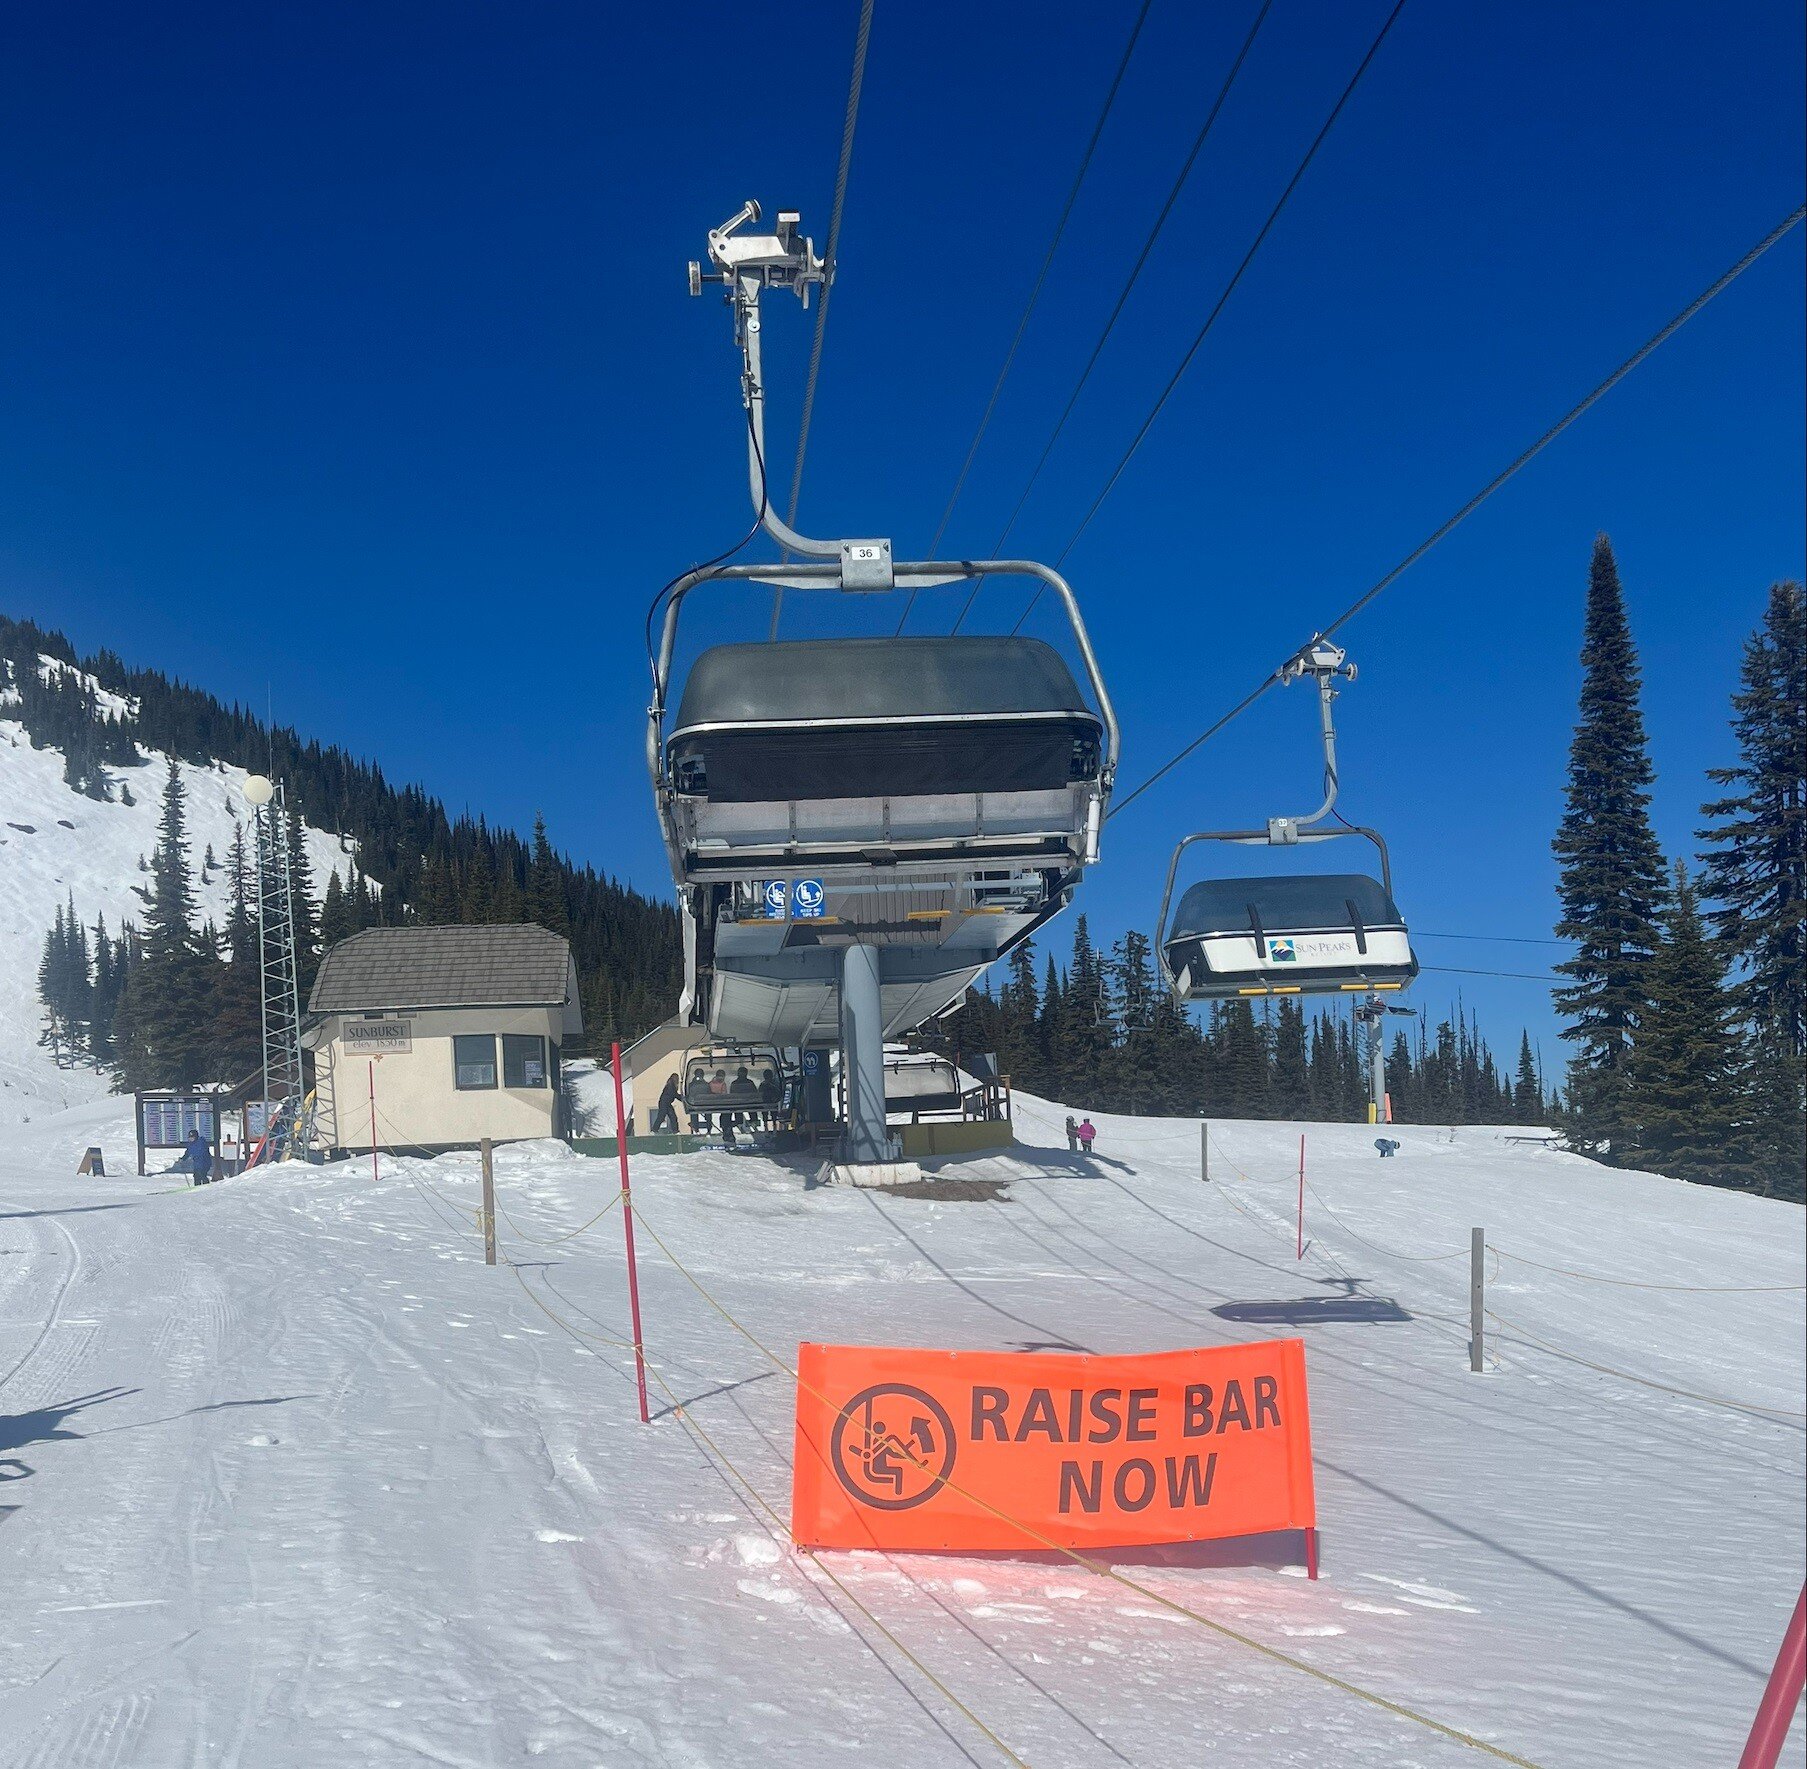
<point x="276" y="945"/>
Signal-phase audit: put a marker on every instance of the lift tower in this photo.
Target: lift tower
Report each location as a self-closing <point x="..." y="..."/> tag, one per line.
<point x="276" y="966"/>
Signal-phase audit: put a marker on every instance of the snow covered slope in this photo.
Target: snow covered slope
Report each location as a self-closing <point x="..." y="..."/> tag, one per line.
<point x="288" y="1477"/>
<point x="55" y="844"/>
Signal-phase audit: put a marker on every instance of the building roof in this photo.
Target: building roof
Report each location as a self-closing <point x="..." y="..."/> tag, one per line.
<point x="512" y="965"/>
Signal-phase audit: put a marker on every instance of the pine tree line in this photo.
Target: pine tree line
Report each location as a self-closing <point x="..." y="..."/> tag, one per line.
<point x="1688" y="1021"/>
<point x="1102" y="1034"/>
<point x="414" y="864"/>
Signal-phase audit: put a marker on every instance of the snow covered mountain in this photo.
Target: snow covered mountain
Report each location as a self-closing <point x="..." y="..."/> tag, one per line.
<point x="57" y="845"/>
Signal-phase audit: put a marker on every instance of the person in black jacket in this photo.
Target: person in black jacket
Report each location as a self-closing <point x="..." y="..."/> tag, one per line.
<point x="666" y="1117"/>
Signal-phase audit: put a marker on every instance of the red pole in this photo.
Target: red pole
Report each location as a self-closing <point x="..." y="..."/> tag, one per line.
<point x="627" y="1224"/>
<point x="1301" y="1253"/>
<point x="1769" y="1731"/>
<point x="373" y="1172"/>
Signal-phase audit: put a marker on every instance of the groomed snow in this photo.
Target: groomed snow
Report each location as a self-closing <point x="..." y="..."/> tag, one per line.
<point x="291" y="1478"/>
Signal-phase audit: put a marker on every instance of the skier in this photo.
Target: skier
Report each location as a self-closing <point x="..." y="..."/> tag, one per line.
<point x="200" y="1158"/>
<point x="1072" y="1135"/>
<point x="666" y="1117"/>
<point x="1087" y="1130"/>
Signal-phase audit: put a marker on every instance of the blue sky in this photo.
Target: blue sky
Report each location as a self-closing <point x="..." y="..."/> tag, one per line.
<point x="347" y="355"/>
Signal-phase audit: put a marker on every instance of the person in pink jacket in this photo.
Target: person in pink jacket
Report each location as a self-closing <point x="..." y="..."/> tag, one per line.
<point x="1087" y="1130"/>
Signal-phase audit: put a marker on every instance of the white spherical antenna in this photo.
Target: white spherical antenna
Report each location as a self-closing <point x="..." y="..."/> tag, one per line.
<point x="259" y="790"/>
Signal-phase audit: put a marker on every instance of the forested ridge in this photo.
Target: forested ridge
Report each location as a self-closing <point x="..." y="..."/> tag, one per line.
<point x="414" y="862"/>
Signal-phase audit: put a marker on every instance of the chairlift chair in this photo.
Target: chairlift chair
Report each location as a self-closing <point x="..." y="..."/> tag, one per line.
<point x="938" y="797"/>
<point x="922" y="1081"/>
<point x="1308" y="934"/>
<point x="735" y="1082"/>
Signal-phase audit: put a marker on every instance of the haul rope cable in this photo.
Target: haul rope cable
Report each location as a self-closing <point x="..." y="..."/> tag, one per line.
<point x="1229" y="289"/>
<point x="858" y="81"/>
<point x="1717" y="287"/>
<point x="1154" y="233"/>
<point x="1022" y="325"/>
<point x="1100" y="1568"/>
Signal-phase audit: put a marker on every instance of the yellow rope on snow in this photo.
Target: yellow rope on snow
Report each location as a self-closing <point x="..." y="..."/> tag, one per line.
<point x="1097" y="1567"/>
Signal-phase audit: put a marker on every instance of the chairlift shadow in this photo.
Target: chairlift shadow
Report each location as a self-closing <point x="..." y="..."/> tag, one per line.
<point x="1305" y="1311"/>
<point x="46" y="1425"/>
<point x="1054" y="1160"/>
<point x="72" y="1210"/>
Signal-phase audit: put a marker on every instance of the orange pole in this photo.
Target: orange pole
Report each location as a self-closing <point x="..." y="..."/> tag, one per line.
<point x="373" y="1172"/>
<point x="627" y="1224"/>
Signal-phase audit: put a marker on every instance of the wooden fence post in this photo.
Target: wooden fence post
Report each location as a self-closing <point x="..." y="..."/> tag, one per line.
<point x="1477" y="1297"/>
<point x="489" y="1203"/>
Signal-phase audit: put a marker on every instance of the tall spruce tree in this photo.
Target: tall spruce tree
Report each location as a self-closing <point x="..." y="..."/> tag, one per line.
<point x="1611" y="880"/>
<point x="1527" y="1089"/>
<point x="167" y="1006"/>
<point x="1291" y="1087"/>
<point x="1755" y="867"/>
<point x="1685" y="1072"/>
<point x="545" y="886"/>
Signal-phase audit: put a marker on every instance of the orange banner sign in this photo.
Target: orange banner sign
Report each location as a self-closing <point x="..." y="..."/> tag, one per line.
<point x="898" y="1448"/>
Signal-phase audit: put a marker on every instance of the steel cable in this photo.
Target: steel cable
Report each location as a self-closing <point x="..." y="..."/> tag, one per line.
<point x="1717" y="287"/>
<point x="1154" y="233"/>
<point x="830" y="258"/>
<point x="1229" y="288"/>
<point x="1041" y="277"/>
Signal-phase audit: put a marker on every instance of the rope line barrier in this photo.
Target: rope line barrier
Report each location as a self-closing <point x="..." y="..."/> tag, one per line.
<point x="1031" y="1534"/>
<point x="747" y="1485"/>
<point x="1591" y="1277"/>
<point x="1099" y="1568"/>
<point x="1711" y="1400"/>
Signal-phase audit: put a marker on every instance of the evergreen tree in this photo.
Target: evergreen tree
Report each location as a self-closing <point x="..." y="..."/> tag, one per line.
<point x="1089" y="1018"/>
<point x="1291" y="1087"/>
<point x="1684" y="1076"/>
<point x="1018" y="1006"/>
<point x="1527" y="1089"/>
<point x="1611" y="881"/>
<point x="1755" y="869"/>
<point x="1240" y="1058"/>
<point x="338" y="914"/>
<point x="301" y="886"/>
<point x="545" y="886"/>
<point x="1051" y="1029"/>
<point x="1776" y="1107"/>
<point x="162" y="1028"/>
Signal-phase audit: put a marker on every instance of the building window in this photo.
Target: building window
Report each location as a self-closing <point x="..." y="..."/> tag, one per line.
<point x="523" y="1061"/>
<point x="474" y="1059"/>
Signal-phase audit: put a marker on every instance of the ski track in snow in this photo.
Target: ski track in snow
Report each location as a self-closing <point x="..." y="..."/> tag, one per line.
<point x="288" y="1477"/>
